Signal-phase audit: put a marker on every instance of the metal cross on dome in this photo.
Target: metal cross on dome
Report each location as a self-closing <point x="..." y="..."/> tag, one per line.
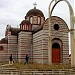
<point x="35" y="5"/>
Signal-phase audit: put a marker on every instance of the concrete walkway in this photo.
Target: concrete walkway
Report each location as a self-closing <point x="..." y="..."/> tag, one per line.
<point x="5" y="65"/>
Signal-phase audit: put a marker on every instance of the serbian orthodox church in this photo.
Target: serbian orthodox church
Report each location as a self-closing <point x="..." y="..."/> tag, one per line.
<point x="31" y="39"/>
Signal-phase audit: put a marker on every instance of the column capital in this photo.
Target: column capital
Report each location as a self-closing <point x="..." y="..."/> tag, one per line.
<point x="71" y="31"/>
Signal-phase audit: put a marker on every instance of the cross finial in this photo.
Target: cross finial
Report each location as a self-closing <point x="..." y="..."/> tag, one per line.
<point x="35" y="5"/>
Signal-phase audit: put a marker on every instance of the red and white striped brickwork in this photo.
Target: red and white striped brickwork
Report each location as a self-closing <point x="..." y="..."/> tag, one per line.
<point x="35" y="21"/>
<point x="40" y="47"/>
<point x="4" y="53"/>
<point x="61" y="34"/>
<point x="24" y="45"/>
<point x="12" y="46"/>
<point x="40" y="41"/>
<point x="21" y="45"/>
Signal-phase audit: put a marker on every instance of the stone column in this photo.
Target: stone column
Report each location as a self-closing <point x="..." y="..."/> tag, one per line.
<point x="72" y="46"/>
<point x="72" y="40"/>
<point x="49" y="39"/>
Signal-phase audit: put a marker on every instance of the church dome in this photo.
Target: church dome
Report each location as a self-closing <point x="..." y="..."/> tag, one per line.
<point x="34" y="12"/>
<point x="25" y="22"/>
<point x="25" y="25"/>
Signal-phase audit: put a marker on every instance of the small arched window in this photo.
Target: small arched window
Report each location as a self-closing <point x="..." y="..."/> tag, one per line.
<point x="39" y="20"/>
<point x="31" y="19"/>
<point x="27" y="27"/>
<point x="21" y="27"/>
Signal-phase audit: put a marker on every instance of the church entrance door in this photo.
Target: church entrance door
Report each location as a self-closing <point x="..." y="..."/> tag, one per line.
<point x="55" y="53"/>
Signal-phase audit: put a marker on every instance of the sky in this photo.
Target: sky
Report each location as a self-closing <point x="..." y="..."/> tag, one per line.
<point x="12" y="12"/>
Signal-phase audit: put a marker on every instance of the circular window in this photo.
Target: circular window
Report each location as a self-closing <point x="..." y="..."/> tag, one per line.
<point x="56" y="26"/>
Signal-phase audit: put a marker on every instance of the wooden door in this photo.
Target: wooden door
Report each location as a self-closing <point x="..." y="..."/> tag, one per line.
<point x="55" y="55"/>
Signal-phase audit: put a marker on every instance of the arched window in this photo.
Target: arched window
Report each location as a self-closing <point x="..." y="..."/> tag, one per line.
<point x="31" y="19"/>
<point x="39" y="20"/>
<point x="23" y="27"/>
<point x="27" y="27"/>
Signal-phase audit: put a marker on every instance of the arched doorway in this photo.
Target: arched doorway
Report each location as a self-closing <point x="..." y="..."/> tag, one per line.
<point x="56" y="53"/>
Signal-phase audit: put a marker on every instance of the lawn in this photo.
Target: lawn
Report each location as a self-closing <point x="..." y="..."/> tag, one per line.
<point x="36" y="66"/>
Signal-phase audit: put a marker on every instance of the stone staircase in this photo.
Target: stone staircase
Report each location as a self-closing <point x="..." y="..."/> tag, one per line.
<point x="9" y="71"/>
<point x="50" y="72"/>
<point x="13" y="71"/>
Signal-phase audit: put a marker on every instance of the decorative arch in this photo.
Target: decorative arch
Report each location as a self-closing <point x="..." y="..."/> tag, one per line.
<point x="70" y="9"/>
<point x="71" y="29"/>
<point x="31" y="19"/>
<point x="39" y="20"/>
<point x="57" y="50"/>
<point x="57" y="40"/>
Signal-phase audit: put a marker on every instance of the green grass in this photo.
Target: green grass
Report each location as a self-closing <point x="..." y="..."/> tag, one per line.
<point x="35" y="66"/>
<point x="2" y="63"/>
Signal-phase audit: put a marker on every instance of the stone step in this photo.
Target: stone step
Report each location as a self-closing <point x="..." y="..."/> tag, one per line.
<point x="14" y="71"/>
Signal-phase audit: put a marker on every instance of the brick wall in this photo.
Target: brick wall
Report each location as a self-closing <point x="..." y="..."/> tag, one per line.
<point x="24" y="46"/>
<point x="40" y="47"/>
<point x="4" y="52"/>
<point x="12" y="46"/>
<point x="61" y="34"/>
<point x="35" y="21"/>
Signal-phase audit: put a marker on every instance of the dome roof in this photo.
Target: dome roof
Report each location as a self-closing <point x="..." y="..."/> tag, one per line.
<point x="25" y="22"/>
<point x="14" y="31"/>
<point x="35" y="12"/>
<point x="4" y="40"/>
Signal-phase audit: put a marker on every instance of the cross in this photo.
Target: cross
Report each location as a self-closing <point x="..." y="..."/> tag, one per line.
<point x="35" y="5"/>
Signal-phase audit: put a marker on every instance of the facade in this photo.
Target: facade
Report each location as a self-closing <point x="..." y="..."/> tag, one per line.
<point x="32" y="39"/>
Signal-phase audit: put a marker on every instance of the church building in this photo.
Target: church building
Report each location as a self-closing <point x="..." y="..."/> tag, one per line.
<point x="32" y="39"/>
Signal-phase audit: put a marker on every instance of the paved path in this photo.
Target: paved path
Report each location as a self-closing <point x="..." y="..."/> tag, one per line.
<point x="5" y="65"/>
